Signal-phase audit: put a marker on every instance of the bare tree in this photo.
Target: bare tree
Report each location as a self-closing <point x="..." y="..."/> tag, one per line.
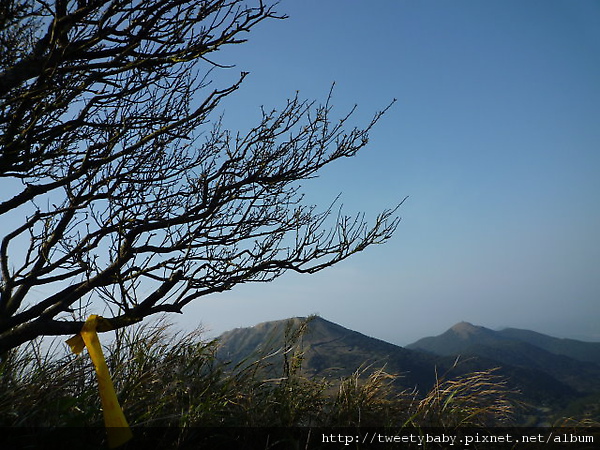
<point x="117" y="181"/>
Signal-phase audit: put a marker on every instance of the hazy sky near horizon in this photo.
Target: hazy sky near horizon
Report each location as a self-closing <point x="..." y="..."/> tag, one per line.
<point x="495" y="138"/>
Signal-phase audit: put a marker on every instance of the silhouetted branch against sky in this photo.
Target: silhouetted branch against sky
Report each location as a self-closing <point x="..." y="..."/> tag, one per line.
<point x="119" y="175"/>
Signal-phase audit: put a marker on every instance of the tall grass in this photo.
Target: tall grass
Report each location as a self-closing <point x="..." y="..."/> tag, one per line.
<point x="175" y="380"/>
<point x="477" y="399"/>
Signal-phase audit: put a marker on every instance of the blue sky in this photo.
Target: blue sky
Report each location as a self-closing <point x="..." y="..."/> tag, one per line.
<point x="495" y="138"/>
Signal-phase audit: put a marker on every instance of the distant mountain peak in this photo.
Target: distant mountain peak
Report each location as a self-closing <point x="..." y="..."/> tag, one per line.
<point x="571" y="362"/>
<point x="465" y="328"/>
<point x="457" y="339"/>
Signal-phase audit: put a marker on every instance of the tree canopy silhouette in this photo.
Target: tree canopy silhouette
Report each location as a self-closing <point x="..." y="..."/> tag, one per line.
<point x="122" y="192"/>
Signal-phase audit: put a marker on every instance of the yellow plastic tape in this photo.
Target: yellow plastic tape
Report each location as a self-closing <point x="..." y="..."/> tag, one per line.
<point x="117" y="428"/>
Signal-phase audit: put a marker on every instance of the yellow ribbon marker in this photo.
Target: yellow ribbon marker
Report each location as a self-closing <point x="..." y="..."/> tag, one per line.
<point x="117" y="428"/>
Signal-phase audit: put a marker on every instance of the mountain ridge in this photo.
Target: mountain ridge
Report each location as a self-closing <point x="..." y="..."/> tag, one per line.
<point x="565" y="360"/>
<point x="580" y="350"/>
<point x="463" y="333"/>
<point x="333" y="352"/>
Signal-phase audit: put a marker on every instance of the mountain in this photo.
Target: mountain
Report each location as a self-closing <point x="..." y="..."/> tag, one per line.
<point x="334" y="352"/>
<point x="330" y="350"/>
<point x="555" y="378"/>
<point x="458" y="338"/>
<point x="579" y="350"/>
<point x="567" y="362"/>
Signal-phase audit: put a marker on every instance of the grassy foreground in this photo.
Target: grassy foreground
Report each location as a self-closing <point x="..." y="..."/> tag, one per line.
<point x="174" y="386"/>
<point x="166" y="379"/>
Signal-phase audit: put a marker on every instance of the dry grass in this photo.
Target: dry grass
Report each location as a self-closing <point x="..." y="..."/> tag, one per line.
<point x="174" y="380"/>
<point x="477" y="399"/>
